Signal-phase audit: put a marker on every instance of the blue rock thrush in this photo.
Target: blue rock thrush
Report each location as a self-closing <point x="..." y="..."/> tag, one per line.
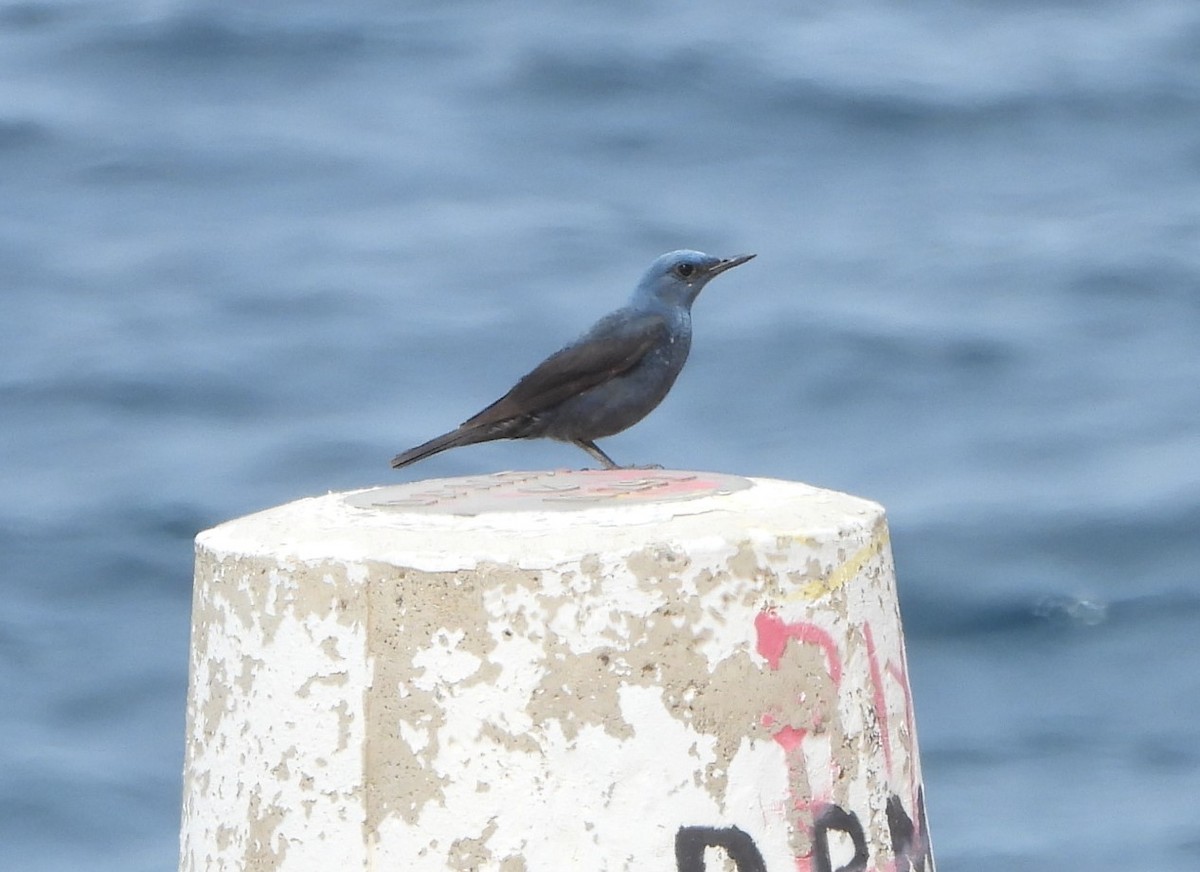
<point x="607" y="380"/>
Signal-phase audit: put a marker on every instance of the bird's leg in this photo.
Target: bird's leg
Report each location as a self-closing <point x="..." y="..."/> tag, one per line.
<point x="593" y="449"/>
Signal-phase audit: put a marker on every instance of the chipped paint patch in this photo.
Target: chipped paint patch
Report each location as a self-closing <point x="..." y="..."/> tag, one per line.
<point x="272" y="645"/>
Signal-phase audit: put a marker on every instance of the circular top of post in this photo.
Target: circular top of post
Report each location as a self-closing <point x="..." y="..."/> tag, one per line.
<point x="548" y="491"/>
<point x="535" y="518"/>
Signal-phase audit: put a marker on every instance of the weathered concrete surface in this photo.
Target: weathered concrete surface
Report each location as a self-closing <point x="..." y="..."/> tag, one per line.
<point x="588" y="671"/>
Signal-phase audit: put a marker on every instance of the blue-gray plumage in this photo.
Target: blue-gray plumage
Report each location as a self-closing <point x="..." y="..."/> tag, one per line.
<point x="608" y="379"/>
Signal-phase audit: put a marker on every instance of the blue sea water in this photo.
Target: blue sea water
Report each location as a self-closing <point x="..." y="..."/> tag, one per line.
<point x="249" y="251"/>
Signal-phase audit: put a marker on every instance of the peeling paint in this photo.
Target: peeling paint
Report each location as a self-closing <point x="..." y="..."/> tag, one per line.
<point x="374" y="688"/>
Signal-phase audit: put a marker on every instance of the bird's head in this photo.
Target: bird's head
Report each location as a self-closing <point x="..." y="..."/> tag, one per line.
<point x="677" y="277"/>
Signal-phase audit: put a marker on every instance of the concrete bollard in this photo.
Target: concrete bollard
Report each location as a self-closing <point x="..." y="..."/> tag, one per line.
<point x="543" y="671"/>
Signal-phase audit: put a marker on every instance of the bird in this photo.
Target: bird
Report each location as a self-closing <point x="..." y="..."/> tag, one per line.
<point x="608" y="379"/>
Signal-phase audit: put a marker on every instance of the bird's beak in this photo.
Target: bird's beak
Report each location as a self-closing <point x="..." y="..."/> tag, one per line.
<point x="729" y="263"/>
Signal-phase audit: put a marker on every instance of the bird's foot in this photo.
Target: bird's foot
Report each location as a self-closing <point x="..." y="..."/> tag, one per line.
<point x="633" y="468"/>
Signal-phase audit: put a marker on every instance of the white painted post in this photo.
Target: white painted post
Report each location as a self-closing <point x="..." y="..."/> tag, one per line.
<point x="543" y="671"/>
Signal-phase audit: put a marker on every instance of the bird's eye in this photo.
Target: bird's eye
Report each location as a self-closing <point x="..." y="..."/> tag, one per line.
<point x="685" y="270"/>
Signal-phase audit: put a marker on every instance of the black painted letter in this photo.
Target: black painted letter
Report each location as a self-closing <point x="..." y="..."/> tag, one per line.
<point x="910" y="845"/>
<point x="836" y="818"/>
<point x="690" y="843"/>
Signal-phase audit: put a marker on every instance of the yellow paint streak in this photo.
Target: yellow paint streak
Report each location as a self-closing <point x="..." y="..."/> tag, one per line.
<point x="847" y="571"/>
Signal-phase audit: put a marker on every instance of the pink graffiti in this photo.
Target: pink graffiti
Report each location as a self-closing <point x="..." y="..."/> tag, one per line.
<point x="899" y="674"/>
<point x="773" y="637"/>
<point x="774" y="634"/>
<point x="789" y="738"/>
<point x="881" y="713"/>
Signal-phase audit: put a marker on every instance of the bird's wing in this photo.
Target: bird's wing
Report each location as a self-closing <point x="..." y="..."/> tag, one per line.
<point x="614" y="346"/>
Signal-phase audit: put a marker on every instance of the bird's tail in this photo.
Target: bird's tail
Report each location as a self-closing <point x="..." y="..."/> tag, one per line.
<point x="453" y="439"/>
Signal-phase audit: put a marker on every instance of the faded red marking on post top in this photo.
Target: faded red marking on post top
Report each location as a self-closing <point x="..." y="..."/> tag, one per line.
<point x="557" y="490"/>
<point x="880" y="702"/>
<point x="774" y="634"/>
<point x="619" y="484"/>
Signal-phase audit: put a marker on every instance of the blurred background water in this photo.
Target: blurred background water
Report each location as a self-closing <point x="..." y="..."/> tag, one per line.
<point x="249" y="251"/>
